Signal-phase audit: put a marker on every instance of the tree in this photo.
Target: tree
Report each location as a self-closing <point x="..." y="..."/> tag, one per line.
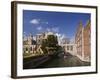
<point x="50" y="45"/>
<point x="44" y="45"/>
<point x="52" y="40"/>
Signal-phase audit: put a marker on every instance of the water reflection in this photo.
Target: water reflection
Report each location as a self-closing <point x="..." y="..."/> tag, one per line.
<point x="64" y="60"/>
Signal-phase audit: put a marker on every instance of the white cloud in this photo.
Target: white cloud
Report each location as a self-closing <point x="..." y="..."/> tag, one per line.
<point x="24" y="32"/>
<point x="55" y="29"/>
<point x="72" y="39"/>
<point x="58" y="34"/>
<point x="24" y="35"/>
<point x="63" y="36"/>
<point x="46" y="23"/>
<point x="38" y="21"/>
<point x="48" y="29"/>
<point x="39" y="28"/>
<point x="35" y="21"/>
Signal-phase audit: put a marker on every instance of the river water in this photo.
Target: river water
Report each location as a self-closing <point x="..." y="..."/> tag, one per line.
<point x="64" y="61"/>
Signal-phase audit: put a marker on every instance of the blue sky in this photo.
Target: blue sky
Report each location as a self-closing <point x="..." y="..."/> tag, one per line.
<point x="64" y="23"/>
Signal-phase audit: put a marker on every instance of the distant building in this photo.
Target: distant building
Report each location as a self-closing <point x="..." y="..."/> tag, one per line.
<point x="39" y="38"/>
<point x="82" y="41"/>
<point x="68" y="46"/>
<point x="65" y="41"/>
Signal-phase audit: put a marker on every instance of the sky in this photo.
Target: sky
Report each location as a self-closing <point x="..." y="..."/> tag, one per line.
<point x="63" y="23"/>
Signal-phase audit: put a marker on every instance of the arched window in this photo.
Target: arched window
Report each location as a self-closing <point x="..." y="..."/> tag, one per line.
<point x="71" y="48"/>
<point x="26" y="49"/>
<point x="30" y="48"/>
<point x="67" y="47"/>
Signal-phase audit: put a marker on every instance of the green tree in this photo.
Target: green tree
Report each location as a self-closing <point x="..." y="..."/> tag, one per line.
<point x="44" y="45"/>
<point x="52" y="41"/>
<point x="50" y="45"/>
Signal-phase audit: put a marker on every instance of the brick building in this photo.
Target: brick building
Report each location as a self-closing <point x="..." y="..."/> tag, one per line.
<point x="83" y="41"/>
<point x="87" y="41"/>
<point x="79" y="41"/>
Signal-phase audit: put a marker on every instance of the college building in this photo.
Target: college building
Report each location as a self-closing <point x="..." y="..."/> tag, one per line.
<point x="83" y="41"/>
<point x="29" y="44"/>
<point x="32" y="44"/>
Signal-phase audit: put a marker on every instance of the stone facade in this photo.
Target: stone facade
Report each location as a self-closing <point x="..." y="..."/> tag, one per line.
<point x="79" y="41"/>
<point x="29" y="44"/>
<point x="32" y="44"/>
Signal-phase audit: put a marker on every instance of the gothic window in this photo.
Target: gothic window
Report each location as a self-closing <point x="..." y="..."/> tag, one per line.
<point x="26" y="49"/>
<point x="71" y="47"/>
<point x="30" y="48"/>
<point x="67" y="47"/>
